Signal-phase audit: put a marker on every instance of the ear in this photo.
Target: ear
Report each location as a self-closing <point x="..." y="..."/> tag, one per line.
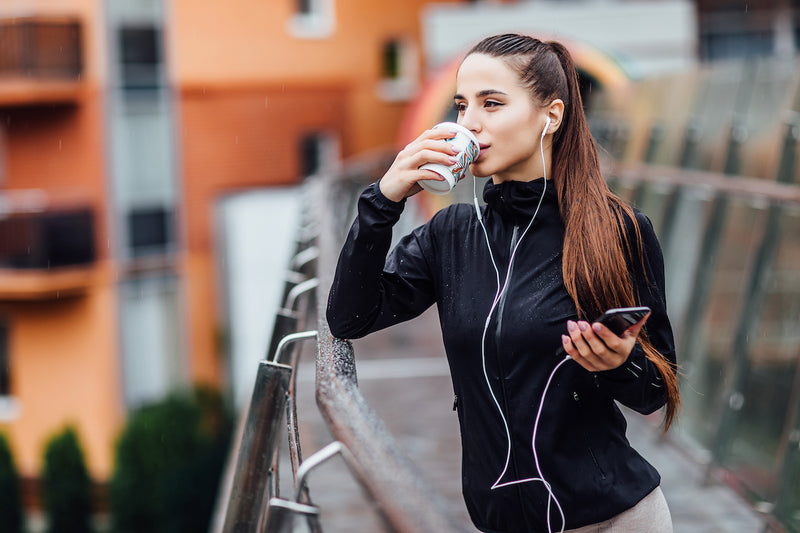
<point x="555" y="111"/>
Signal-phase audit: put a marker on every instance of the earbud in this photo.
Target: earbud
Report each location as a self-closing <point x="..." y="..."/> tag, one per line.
<point x="546" y="125"/>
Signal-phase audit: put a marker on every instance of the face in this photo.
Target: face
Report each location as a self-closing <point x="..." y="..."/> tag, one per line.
<point x="502" y="114"/>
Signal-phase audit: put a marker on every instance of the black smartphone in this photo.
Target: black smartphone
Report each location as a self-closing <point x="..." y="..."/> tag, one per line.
<point x="621" y="318"/>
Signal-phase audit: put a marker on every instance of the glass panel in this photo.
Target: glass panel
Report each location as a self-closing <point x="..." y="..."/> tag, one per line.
<point x="658" y="111"/>
<point x="625" y="189"/>
<point x="713" y="112"/>
<point x="681" y="237"/>
<point x="652" y="200"/>
<point x="707" y="361"/>
<point x="774" y="86"/>
<point x="766" y="392"/>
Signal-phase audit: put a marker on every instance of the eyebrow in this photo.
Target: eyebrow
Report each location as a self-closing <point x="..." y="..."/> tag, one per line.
<point x="481" y="94"/>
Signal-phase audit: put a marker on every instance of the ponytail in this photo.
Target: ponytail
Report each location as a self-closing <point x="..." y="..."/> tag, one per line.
<point x="596" y="243"/>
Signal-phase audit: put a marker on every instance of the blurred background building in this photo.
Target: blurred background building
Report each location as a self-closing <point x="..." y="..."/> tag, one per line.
<point x="122" y="124"/>
<point x="135" y="133"/>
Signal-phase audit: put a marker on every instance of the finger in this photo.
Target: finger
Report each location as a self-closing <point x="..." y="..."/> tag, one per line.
<point x="577" y="339"/>
<point x="595" y="343"/>
<point x="573" y="353"/>
<point x="435" y="134"/>
<point x="634" y="330"/>
<point x="609" y="338"/>
<point x="438" y="145"/>
<point x="430" y="156"/>
<point x="619" y="348"/>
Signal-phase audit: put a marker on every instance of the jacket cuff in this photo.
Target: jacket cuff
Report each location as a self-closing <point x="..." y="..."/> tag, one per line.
<point x="383" y="202"/>
<point x="631" y="370"/>
<point x="378" y="209"/>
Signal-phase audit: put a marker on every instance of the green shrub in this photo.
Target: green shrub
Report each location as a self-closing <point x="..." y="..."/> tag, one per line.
<point x="66" y="487"/>
<point x="11" y="514"/>
<point x="168" y="463"/>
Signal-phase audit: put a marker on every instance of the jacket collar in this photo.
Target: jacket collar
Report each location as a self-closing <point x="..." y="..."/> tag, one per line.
<point x="518" y="200"/>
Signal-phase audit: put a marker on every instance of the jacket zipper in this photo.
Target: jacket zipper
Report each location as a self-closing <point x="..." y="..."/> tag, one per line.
<point x="498" y="331"/>
<point x="501" y="305"/>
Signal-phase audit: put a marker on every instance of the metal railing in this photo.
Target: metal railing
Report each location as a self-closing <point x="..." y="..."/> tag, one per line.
<point x="730" y="247"/>
<point x="725" y="202"/>
<point x="249" y="498"/>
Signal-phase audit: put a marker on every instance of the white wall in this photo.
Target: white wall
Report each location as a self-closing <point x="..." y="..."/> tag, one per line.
<point x="646" y="37"/>
<point x="256" y="232"/>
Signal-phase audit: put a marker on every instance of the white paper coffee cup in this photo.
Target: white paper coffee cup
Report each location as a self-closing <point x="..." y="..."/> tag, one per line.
<point x="468" y="150"/>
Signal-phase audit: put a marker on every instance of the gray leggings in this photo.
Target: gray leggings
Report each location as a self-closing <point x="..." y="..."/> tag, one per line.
<point x="651" y="515"/>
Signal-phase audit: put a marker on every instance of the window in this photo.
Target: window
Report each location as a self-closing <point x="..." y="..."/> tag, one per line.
<point x="140" y="57"/>
<point x="152" y="347"/>
<point x="391" y="60"/>
<point x="9" y="410"/>
<point x="305" y="7"/>
<point x="717" y="46"/>
<point x="2" y="154"/>
<point x="145" y="190"/>
<point x="47" y="239"/>
<point x="312" y="19"/>
<point x="399" y="70"/>
<point x="318" y="152"/>
<point x="149" y="230"/>
<point x="5" y="370"/>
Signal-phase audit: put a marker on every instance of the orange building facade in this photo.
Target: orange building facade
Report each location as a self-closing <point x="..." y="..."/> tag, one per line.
<point x="121" y="125"/>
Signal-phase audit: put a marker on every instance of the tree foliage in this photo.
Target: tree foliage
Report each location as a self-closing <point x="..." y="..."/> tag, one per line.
<point x="11" y="513"/>
<point x="66" y="486"/>
<point x="168" y="462"/>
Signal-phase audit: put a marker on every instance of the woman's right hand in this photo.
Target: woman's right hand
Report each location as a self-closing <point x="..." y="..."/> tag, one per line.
<point x="400" y="181"/>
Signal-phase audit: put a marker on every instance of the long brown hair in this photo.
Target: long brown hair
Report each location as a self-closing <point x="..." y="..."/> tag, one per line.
<point x="596" y="243"/>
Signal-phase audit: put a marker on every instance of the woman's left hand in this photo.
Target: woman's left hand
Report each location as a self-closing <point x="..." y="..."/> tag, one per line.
<point x="596" y="348"/>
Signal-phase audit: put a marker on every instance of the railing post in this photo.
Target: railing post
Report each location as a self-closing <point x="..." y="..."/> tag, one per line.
<point x="261" y="429"/>
<point x="295" y="453"/>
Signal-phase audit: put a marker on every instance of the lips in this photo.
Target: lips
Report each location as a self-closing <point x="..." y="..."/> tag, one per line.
<point x="483" y="148"/>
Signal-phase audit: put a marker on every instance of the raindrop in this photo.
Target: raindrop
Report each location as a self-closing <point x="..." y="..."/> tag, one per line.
<point x="736" y="401"/>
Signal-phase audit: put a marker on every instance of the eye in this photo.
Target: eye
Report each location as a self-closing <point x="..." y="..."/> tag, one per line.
<point x="460" y="107"/>
<point x="492" y="103"/>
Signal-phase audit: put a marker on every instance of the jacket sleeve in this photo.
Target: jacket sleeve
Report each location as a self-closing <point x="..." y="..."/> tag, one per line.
<point x="370" y="292"/>
<point x="637" y="383"/>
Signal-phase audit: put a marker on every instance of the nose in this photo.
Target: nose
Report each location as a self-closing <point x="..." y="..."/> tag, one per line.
<point x="469" y="120"/>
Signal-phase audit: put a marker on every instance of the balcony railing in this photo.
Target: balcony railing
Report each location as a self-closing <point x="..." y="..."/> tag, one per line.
<point x="46" y="253"/>
<point x="41" y="60"/>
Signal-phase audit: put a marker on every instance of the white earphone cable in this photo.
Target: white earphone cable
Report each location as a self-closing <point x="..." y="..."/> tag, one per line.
<point x="498" y="296"/>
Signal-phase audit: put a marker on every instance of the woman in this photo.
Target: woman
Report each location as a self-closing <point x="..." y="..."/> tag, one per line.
<point x="516" y="284"/>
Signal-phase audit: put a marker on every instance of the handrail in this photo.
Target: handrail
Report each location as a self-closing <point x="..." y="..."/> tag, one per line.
<point x="406" y="502"/>
<point x="742" y="186"/>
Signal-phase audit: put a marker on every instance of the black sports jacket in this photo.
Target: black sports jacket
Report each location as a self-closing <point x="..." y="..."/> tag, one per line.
<point x="581" y="445"/>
